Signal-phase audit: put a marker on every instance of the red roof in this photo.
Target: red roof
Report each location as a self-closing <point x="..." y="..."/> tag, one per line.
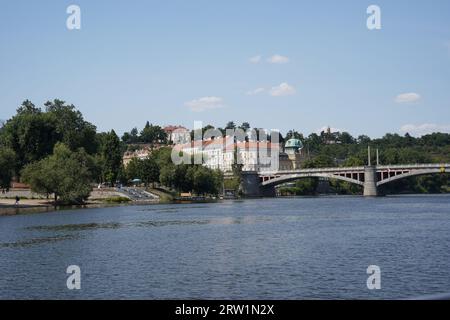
<point x="170" y="129"/>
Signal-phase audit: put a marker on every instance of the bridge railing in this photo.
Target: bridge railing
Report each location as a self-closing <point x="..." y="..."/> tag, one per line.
<point x="359" y="168"/>
<point x="415" y="166"/>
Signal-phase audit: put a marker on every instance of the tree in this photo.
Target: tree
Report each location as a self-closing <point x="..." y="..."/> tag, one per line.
<point x="74" y="131"/>
<point x="230" y="125"/>
<point x="203" y="181"/>
<point x="111" y="153"/>
<point x="362" y="139"/>
<point x="134" y="169"/>
<point x="245" y="126"/>
<point x="150" y="170"/>
<point x="7" y="160"/>
<point x="27" y="107"/>
<point x="346" y="138"/>
<point x="167" y="176"/>
<point x="313" y="142"/>
<point x="183" y="178"/>
<point x="65" y="174"/>
<point x="307" y="186"/>
<point x="320" y="161"/>
<point x="293" y="134"/>
<point x="32" y="134"/>
<point x="131" y="137"/>
<point x="153" y="134"/>
<point x="353" y="162"/>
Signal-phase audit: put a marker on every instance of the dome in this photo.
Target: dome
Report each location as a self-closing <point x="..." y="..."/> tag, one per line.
<point x="294" y="143"/>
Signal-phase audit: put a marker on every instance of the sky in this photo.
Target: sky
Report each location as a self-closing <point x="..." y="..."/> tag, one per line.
<point x="301" y="65"/>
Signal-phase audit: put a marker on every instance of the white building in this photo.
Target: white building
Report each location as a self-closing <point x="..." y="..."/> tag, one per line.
<point x="219" y="154"/>
<point x="177" y="134"/>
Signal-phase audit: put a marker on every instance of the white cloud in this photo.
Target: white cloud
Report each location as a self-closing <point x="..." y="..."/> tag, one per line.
<point x="283" y="89"/>
<point x="255" y="59"/>
<point x="255" y="91"/>
<point x="424" y="128"/>
<point x="408" y="97"/>
<point x="205" y="103"/>
<point x="278" y="59"/>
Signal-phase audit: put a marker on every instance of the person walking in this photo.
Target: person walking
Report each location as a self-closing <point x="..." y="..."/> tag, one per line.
<point x="17" y="200"/>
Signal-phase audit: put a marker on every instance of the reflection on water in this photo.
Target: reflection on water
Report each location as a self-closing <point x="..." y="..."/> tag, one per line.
<point x="254" y="249"/>
<point x="149" y="223"/>
<point x="75" y="227"/>
<point x="37" y="241"/>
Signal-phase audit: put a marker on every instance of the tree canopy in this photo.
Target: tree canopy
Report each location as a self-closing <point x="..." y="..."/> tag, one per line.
<point x="65" y="174"/>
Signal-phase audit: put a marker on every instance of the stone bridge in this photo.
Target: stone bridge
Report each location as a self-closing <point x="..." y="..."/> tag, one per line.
<point x="255" y="184"/>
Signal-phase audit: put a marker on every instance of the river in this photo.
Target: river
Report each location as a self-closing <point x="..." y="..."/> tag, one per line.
<point x="283" y="248"/>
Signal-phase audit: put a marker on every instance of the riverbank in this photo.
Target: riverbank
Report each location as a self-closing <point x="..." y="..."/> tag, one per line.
<point x="34" y="203"/>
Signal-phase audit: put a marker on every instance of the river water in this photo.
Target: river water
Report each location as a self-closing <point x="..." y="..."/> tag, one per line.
<point x="292" y="248"/>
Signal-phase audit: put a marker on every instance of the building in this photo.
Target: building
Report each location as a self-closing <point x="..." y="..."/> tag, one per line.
<point x="294" y="151"/>
<point x="177" y="134"/>
<point x="142" y="153"/>
<point x="220" y="154"/>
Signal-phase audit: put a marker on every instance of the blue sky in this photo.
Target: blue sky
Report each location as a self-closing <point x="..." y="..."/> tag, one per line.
<point x="174" y="62"/>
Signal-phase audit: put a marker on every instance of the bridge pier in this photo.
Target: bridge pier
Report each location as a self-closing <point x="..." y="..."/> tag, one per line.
<point x="370" y="181"/>
<point x="250" y="182"/>
<point x="251" y="186"/>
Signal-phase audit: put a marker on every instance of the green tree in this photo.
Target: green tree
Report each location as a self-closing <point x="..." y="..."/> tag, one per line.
<point x="153" y="134"/>
<point x="150" y="171"/>
<point x="204" y="181"/>
<point x="245" y="126"/>
<point x="134" y="169"/>
<point x="230" y="125"/>
<point x="7" y="160"/>
<point x="74" y="131"/>
<point x="346" y="138"/>
<point x="65" y="174"/>
<point x="307" y="186"/>
<point x="167" y="176"/>
<point x="111" y="154"/>
<point x="31" y="134"/>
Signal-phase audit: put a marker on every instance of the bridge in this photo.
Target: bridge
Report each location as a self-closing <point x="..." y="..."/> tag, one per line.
<point x="255" y="184"/>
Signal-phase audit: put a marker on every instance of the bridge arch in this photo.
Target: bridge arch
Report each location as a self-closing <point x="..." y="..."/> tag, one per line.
<point x="411" y="173"/>
<point x="292" y="177"/>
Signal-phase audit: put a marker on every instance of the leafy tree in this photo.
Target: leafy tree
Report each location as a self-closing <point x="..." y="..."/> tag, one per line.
<point x="307" y="186"/>
<point x="245" y="126"/>
<point x="111" y="154"/>
<point x="292" y="134"/>
<point x="320" y="161"/>
<point x="167" y="176"/>
<point x="74" y="131"/>
<point x="134" y="169"/>
<point x="65" y="174"/>
<point x="7" y="160"/>
<point x="230" y="125"/>
<point x="153" y="134"/>
<point x="204" y="181"/>
<point x="354" y="161"/>
<point x="31" y="134"/>
<point x="346" y="138"/>
<point x="150" y="171"/>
